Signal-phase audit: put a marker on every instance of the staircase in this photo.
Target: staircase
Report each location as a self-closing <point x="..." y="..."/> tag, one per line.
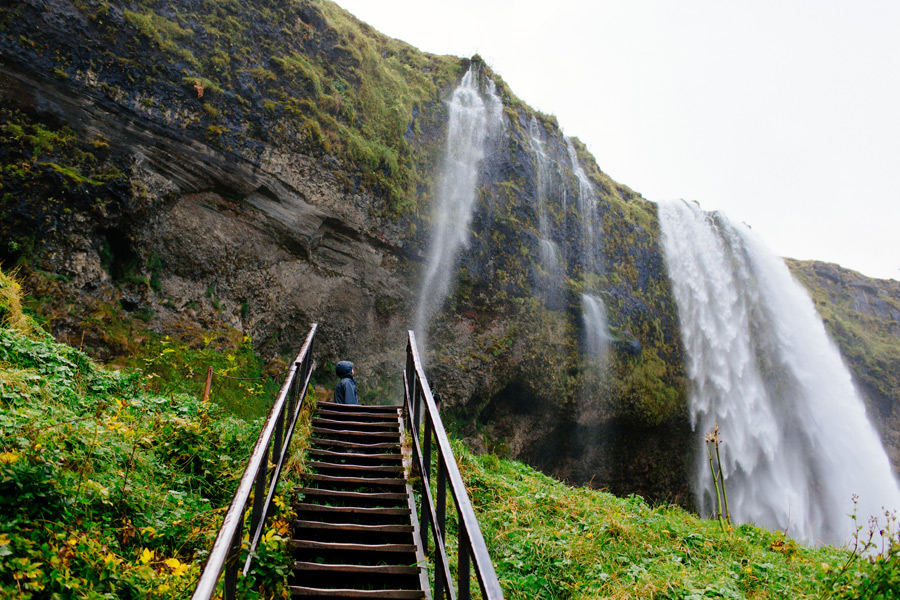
<point x="354" y="534"/>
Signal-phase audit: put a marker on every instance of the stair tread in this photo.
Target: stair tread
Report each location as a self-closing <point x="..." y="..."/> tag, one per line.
<point x="335" y="454"/>
<point x="347" y="423"/>
<point x="353" y="527"/>
<point x="342" y="444"/>
<point x="363" y="408"/>
<point x="351" y="510"/>
<point x="300" y="565"/>
<point x="301" y="543"/>
<point x="348" y="593"/>
<point x="315" y="464"/>
<point x="348" y="494"/>
<point x="349" y="432"/>
<point x="356" y="480"/>
<point x="325" y="413"/>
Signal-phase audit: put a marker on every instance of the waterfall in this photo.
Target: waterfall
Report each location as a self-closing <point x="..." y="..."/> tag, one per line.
<point x="549" y="185"/>
<point x="593" y="310"/>
<point x="595" y="328"/>
<point x="590" y="218"/>
<point x="473" y="117"/>
<point x="797" y="442"/>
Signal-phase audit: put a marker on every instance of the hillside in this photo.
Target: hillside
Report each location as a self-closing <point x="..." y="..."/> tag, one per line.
<point x="125" y="488"/>
<point x="106" y="488"/>
<point x="249" y="170"/>
<point x="205" y="179"/>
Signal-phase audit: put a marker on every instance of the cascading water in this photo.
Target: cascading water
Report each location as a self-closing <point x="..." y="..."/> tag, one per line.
<point x="474" y="117"/>
<point x="587" y="209"/>
<point x="549" y="185"/>
<point x="596" y="335"/>
<point x="593" y="310"/>
<point x="797" y="442"/>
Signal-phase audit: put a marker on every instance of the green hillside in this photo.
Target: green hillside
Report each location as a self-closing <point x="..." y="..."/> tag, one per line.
<point x="108" y="490"/>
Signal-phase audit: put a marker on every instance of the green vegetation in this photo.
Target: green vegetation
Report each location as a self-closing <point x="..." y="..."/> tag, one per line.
<point x="551" y="541"/>
<point x="108" y="489"/>
<point x="174" y="361"/>
<point x="303" y="75"/>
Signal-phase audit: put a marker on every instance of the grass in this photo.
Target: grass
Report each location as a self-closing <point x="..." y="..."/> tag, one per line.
<point x="111" y="489"/>
<point x="108" y="489"/>
<point x="548" y="540"/>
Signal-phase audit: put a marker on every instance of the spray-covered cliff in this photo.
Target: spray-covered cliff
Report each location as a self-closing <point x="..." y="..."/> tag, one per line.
<point x="178" y="168"/>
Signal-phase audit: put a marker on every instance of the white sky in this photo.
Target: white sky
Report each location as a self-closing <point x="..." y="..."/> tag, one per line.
<point x="785" y="114"/>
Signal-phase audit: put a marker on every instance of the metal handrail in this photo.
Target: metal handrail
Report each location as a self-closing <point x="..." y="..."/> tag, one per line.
<point x="227" y="547"/>
<point x="420" y="403"/>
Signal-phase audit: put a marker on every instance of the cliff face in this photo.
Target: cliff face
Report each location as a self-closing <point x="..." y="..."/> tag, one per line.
<point x="863" y="317"/>
<point x="216" y="165"/>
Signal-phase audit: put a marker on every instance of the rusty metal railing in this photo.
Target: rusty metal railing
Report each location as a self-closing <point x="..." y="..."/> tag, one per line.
<point x="276" y="434"/>
<point x="421" y="410"/>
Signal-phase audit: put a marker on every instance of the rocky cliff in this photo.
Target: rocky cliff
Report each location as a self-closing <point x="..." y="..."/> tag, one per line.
<point x="863" y="317"/>
<point x="199" y="166"/>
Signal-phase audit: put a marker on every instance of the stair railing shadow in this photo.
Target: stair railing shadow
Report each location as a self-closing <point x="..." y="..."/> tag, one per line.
<point x="276" y="434"/>
<point x="419" y="405"/>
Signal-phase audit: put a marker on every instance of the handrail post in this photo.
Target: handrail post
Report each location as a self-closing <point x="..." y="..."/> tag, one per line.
<point x="279" y="432"/>
<point x="462" y="569"/>
<point x="442" y="522"/>
<point x="231" y="565"/>
<point x="426" y="483"/>
<point x="259" y="491"/>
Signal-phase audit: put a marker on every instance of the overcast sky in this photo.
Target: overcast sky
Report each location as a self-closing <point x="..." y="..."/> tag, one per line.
<point x="785" y="114"/>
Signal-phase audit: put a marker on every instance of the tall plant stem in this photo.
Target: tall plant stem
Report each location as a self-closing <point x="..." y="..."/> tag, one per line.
<point x="722" y="481"/>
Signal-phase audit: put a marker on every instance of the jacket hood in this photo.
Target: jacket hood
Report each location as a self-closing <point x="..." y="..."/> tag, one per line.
<point x="343" y="368"/>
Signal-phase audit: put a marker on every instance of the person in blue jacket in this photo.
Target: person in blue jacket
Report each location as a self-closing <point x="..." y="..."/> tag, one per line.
<point x="345" y="390"/>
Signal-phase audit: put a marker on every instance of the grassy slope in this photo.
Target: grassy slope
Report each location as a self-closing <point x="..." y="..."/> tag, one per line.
<point x="107" y="490"/>
<point x="551" y="541"/>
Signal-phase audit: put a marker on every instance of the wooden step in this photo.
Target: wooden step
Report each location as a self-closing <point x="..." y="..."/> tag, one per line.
<point x="349" y="432"/>
<point x="315" y="464"/>
<point x="362" y="416"/>
<point x="353" y="455"/>
<point x="354" y="424"/>
<point x="364" y="481"/>
<point x="355" y="495"/>
<point x="360" y="408"/>
<point x="380" y="594"/>
<point x="402" y="548"/>
<point x="300" y="565"/>
<point x="354" y="527"/>
<point x="355" y="445"/>
<point x="351" y="510"/>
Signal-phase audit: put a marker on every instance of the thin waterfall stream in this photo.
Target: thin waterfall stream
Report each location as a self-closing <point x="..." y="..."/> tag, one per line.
<point x="475" y="114"/>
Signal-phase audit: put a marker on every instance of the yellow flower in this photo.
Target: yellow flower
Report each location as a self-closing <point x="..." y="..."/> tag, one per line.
<point x="9" y="457"/>
<point x="146" y="556"/>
